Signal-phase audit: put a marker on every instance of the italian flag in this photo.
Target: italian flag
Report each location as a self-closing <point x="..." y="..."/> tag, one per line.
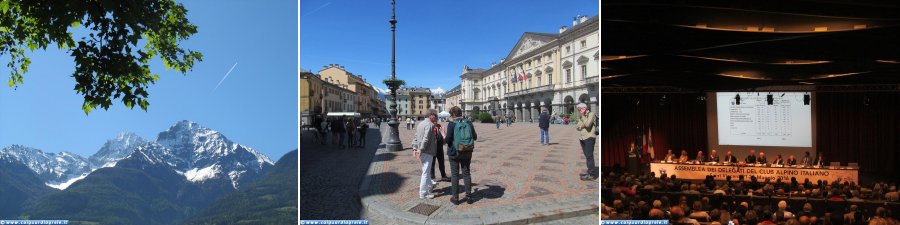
<point x="521" y="74"/>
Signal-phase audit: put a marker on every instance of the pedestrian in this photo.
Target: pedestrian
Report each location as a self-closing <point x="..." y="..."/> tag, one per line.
<point x="508" y="119"/>
<point x="497" y="120"/>
<point x="424" y="147"/>
<point x="337" y="131"/>
<point x="323" y="130"/>
<point x="544" y="126"/>
<point x="361" y="130"/>
<point x="408" y="123"/>
<point x="351" y="131"/>
<point x="460" y="138"/>
<point x="586" y="124"/>
<point x="439" y="158"/>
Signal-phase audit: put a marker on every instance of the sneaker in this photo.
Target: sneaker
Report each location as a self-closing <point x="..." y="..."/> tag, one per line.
<point x="587" y="178"/>
<point x="455" y="201"/>
<point x="428" y="196"/>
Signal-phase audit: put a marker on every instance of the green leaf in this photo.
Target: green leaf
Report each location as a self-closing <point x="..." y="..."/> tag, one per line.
<point x="4" y="6"/>
<point x="76" y="23"/>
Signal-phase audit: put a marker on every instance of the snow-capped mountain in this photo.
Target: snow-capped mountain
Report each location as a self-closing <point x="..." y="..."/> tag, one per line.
<point x="438" y="91"/>
<point x="202" y="153"/>
<point x="196" y="152"/>
<point x="52" y="168"/>
<point x="116" y="149"/>
<point x="382" y="91"/>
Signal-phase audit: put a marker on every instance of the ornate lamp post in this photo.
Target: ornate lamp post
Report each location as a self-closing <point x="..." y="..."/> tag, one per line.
<point x="393" y="142"/>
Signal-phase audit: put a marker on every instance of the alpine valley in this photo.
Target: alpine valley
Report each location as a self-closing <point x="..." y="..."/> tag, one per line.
<point x="170" y="180"/>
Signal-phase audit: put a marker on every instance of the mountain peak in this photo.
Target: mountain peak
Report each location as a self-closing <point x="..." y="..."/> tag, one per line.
<point x="51" y="167"/>
<point x="115" y="149"/>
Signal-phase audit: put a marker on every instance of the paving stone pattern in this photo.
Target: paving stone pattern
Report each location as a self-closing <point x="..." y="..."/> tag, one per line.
<point x="516" y="180"/>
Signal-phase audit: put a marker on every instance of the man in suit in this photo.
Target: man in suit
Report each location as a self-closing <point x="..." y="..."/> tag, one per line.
<point x="713" y="156"/>
<point x="730" y="158"/>
<point x="806" y="161"/>
<point x="751" y="159"/>
<point x="762" y="158"/>
<point x="670" y="157"/>
<point x="778" y="160"/>
<point x="700" y="157"/>
<point x="791" y="161"/>
<point x="820" y="160"/>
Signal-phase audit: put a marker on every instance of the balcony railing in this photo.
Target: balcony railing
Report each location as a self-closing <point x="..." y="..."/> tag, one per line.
<point x="577" y="84"/>
<point x="544" y="88"/>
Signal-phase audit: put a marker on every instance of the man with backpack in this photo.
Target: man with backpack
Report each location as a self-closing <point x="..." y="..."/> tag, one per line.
<point x="460" y="138"/>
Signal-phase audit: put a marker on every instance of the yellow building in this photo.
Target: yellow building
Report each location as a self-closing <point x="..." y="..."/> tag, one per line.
<point x="365" y="93"/>
<point x="311" y="96"/>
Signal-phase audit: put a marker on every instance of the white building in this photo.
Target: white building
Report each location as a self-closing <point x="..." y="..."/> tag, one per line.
<point x="557" y="72"/>
<point x="412" y="101"/>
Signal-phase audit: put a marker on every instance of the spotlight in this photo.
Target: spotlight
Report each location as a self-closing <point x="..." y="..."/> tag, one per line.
<point x="737" y="99"/>
<point x="806" y="99"/>
<point x="769" y="99"/>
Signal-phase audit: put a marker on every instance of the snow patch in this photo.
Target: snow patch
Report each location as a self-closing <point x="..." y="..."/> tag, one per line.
<point x="64" y="185"/>
<point x="235" y="175"/>
<point x="110" y="164"/>
<point x="201" y="174"/>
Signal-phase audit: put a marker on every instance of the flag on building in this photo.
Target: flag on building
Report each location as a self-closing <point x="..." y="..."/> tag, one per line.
<point x="521" y="73"/>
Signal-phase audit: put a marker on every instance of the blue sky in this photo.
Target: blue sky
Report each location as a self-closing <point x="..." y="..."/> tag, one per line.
<point x="434" y="38"/>
<point x="255" y="106"/>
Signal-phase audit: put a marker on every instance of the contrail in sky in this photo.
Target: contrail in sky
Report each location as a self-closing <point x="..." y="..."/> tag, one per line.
<point x="223" y="78"/>
<point x="317" y="9"/>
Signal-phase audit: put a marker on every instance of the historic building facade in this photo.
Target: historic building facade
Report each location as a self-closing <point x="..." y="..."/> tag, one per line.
<point x="320" y="95"/>
<point x="367" y="98"/>
<point x="453" y="97"/>
<point x="412" y="102"/>
<point x="437" y="102"/>
<point x="543" y="71"/>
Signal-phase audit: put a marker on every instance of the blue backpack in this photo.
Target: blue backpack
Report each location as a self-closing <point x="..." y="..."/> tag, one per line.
<point x="462" y="136"/>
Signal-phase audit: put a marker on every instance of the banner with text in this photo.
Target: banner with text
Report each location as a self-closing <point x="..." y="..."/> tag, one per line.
<point x="699" y="172"/>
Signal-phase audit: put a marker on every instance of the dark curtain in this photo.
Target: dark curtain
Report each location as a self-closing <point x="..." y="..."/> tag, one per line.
<point x="678" y="122"/>
<point x="860" y="127"/>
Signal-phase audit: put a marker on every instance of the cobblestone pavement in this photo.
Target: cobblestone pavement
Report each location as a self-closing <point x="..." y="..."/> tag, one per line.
<point x="515" y="180"/>
<point x="330" y="177"/>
